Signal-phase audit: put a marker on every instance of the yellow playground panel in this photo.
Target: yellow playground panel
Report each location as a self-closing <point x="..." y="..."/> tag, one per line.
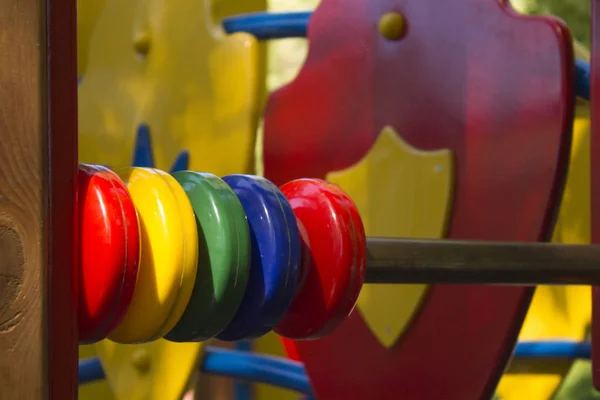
<point x="194" y="88"/>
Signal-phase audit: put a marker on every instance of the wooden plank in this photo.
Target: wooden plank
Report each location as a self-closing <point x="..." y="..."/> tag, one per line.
<point x="38" y="165"/>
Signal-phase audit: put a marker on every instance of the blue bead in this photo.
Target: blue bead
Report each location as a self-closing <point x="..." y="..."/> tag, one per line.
<point x="275" y="258"/>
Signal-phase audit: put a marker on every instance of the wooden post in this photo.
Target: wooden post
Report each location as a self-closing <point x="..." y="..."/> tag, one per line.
<point x="38" y="165"/>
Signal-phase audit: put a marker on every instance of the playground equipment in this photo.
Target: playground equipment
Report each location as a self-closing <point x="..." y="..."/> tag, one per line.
<point x="545" y="123"/>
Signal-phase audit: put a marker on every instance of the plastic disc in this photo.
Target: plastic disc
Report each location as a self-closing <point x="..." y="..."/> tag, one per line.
<point x="275" y="252"/>
<point x="360" y="251"/>
<point x="109" y="251"/>
<point x="334" y="237"/>
<point x="224" y="260"/>
<point x="169" y="256"/>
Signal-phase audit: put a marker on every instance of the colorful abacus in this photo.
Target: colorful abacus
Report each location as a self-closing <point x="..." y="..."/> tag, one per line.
<point x="189" y="256"/>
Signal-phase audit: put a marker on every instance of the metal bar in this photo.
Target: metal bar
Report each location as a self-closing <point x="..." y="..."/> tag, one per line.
<point x="470" y="262"/>
<point x="256" y="368"/>
<point x="269" y="26"/>
<point x="242" y="389"/>
<point x="582" y="78"/>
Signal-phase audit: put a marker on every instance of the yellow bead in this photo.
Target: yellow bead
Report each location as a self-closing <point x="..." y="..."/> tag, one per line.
<point x="169" y="256"/>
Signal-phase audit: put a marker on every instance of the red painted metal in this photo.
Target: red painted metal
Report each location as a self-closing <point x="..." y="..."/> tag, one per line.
<point x="472" y="76"/>
<point x="334" y="258"/>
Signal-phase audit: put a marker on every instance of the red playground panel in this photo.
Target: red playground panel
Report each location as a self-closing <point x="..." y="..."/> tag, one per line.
<point x="501" y="86"/>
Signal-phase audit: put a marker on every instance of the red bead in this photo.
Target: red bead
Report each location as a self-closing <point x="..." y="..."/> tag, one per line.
<point x="334" y="259"/>
<point x="361" y="251"/>
<point x="109" y="252"/>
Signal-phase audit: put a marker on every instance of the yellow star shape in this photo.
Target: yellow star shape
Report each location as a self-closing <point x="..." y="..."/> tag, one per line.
<point x="168" y="64"/>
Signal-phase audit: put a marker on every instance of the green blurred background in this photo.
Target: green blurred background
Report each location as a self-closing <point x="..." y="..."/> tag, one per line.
<point x="576" y="13"/>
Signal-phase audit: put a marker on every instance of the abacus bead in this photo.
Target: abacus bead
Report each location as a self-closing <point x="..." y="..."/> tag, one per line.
<point x="224" y="257"/>
<point x="109" y="251"/>
<point x="334" y="270"/>
<point x="275" y="258"/>
<point x="169" y="256"/>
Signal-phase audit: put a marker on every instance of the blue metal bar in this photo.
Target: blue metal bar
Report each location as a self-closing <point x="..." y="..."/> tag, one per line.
<point x="291" y="375"/>
<point x="257" y="368"/>
<point x="554" y="349"/>
<point x="244" y="365"/>
<point x="90" y="370"/>
<point x="265" y="25"/>
<point x="242" y="390"/>
<point x="582" y="79"/>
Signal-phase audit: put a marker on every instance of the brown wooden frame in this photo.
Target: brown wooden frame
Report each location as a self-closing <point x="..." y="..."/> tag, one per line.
<point x="38" y="170"/>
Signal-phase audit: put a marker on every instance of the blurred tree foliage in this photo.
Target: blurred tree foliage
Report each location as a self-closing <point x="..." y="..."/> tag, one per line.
<point x="287" y="56"/>
<point x="576" y="13"/>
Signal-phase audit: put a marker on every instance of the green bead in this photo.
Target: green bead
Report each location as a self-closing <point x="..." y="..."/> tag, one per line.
<point x="223" y="259"/>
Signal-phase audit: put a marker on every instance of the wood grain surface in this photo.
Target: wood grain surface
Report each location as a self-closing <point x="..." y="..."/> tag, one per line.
<point x="38" y="163"/>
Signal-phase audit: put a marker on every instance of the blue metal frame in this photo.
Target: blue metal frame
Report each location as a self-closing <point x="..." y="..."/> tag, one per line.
<point x="244" y="365"/>
<point x="267" y="26"/>
<point x="582" y="79"/>
<point x="236" y="364"/>
<point x="242" y="390"/>
<point x="90" y="370"/>
<point x="554" y="349"/>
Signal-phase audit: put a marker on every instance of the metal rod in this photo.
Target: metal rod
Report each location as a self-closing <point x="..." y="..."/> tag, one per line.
<point x="268" y="25"/>
<point x="392" y="260"/>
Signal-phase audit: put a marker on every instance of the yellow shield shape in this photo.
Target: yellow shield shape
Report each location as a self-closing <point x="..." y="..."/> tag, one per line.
<point x="400" y="191"/>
